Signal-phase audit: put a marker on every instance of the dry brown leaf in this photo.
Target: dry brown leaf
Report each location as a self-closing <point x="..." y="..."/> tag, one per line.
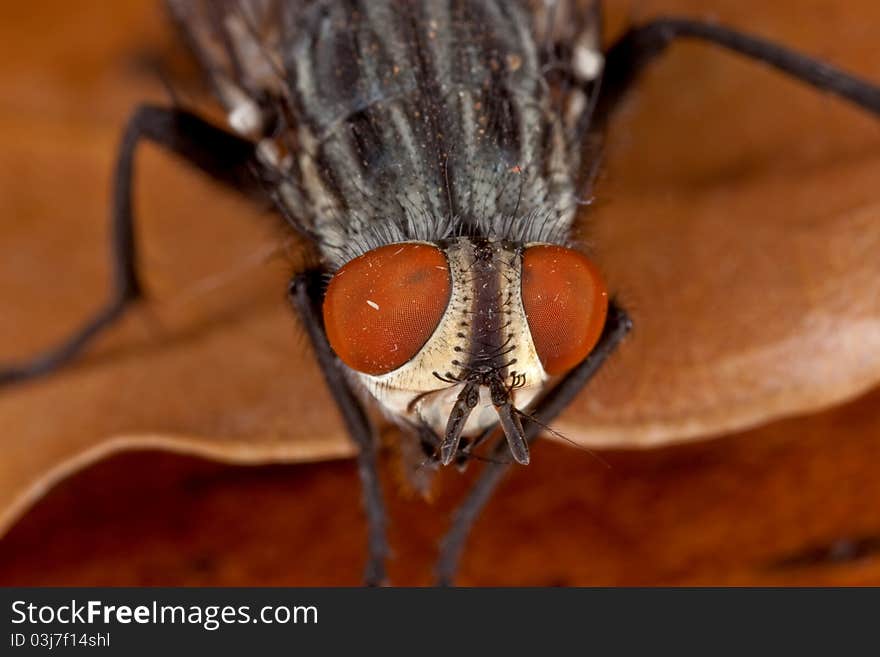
<point x="794" y="502"/>
<point x="739" y="220"/>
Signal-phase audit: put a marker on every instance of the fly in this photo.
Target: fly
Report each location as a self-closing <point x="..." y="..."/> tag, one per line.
<point x="436" y="155"/>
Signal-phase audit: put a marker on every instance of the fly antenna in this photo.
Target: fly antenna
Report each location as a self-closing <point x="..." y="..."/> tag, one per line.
<point x="563" y="437"/>
<point x="461" y="411"/>
<point x="510" y="423"/>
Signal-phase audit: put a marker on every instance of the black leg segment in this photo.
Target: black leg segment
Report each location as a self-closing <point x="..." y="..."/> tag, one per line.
<point x="551" y="405"/>
<point x="306" y="294"/>
<point x="223" y="156"/>
<point x="640" y="45"/>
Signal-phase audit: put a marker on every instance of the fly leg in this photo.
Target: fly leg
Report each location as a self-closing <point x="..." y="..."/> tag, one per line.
<point x="306" y="295"/>
<point x="225" y="157"/>
<point x="640" y="45"/>
<point x="617" y="325"/>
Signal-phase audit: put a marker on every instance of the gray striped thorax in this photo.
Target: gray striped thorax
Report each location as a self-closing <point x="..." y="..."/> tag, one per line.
<point x="422" y="121"/>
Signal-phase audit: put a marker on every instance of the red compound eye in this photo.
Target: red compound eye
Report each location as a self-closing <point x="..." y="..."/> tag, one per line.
<point x="381" y="308"/>
<point x="565" y="301"/>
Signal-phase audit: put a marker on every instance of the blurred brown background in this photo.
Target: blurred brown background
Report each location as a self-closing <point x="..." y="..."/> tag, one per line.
<point x="794" y="502"/>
